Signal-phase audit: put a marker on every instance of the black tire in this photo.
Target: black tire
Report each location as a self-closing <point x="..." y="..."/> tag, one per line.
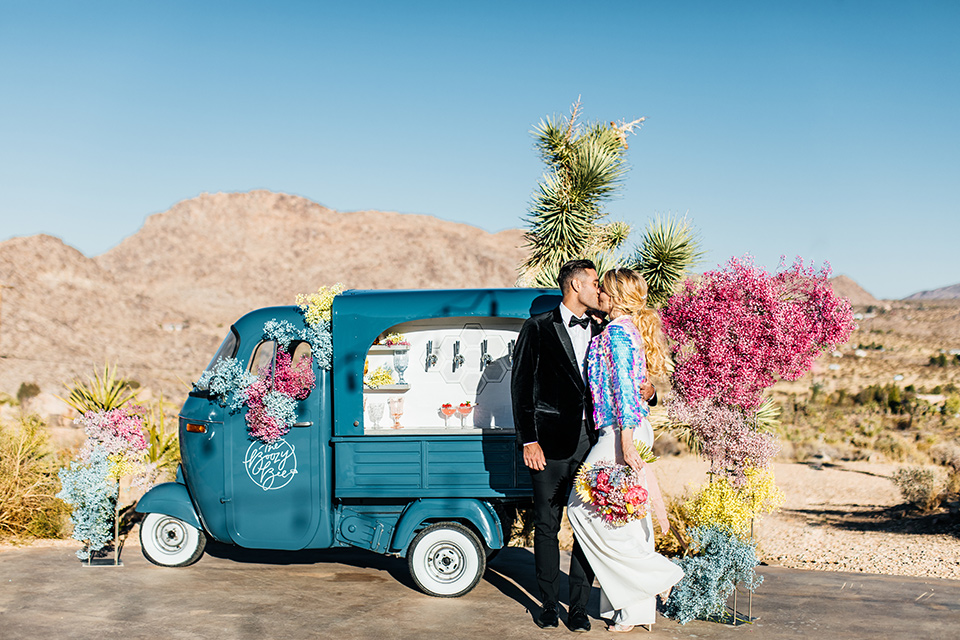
<point x="169" y="541"/>
<point x="446" y="560"/>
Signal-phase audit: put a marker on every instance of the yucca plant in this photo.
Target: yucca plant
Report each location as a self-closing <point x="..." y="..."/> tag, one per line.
<point x="585" y="165"/>
<point x="163" y="444"/>
<point x="102" y="392"/>
<point x="668" y="251"/>
<point x="766" y="419"/>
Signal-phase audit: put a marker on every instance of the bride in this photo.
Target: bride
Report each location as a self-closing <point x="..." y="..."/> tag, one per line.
<point x="629" y="571"/>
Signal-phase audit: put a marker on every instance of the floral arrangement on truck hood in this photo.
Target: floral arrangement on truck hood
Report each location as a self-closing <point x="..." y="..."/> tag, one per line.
<point x="271" y="396"/>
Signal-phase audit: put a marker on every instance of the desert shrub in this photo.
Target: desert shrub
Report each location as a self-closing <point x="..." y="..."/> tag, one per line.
<point x="676" y="542"/>
<point x="951" y="406"/>
<point x="938" y="360"/>
<point x="28" y="482"/>
<point x="922" y="487"/>
<point x="6" y="398"/>
<point x="893" y="447"/>
<point x="667" y="444"/>
<point x="521" y="529"/>
<point x="946" y="454"/>
<point x="27" y="390"/>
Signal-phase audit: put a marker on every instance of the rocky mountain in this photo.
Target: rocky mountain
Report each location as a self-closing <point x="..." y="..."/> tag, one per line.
<point x="943" y="293"/>
<point x="847" y="287"/>
<point x="158" y="303"/>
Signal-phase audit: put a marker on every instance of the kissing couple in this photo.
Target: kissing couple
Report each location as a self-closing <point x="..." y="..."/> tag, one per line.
<point x="580" y="394"/>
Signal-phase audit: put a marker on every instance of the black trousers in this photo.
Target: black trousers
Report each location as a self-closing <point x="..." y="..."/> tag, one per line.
<point x="551" y="490"/>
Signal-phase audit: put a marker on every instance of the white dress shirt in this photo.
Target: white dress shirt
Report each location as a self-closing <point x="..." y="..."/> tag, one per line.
<point x="579" y="336"/>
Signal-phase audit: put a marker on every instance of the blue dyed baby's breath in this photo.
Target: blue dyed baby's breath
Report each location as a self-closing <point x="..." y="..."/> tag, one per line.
<point x="723" y="560"/>
<point x="87" y="489"/>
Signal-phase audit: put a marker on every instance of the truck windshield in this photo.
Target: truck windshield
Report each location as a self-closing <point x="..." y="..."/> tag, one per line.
<point x="228" y="348"/>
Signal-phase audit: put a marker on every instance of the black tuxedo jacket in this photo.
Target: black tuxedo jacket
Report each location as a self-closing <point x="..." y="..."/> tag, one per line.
<point x="548" y="391"/>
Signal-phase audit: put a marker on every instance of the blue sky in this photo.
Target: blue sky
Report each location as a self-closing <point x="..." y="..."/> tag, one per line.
<point x="827" y="130"/>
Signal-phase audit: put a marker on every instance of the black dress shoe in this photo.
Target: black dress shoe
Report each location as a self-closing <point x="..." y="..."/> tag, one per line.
<point x="548" y="617"/>
<point x="578" y="620"/>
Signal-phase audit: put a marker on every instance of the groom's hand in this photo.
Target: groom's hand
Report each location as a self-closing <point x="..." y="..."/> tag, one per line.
<point x="533" y="456"/>
<point x="647" y="390"/>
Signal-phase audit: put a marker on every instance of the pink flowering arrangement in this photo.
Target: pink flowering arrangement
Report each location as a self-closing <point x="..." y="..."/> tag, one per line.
<point x="726" y="437"/>
<point x="614" y="490"/>
<point x="119" y="431"/>
<point x="739" y="329"/>
<point x="272" y="399"/>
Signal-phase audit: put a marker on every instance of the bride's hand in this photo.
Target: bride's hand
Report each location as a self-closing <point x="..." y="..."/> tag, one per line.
<point x="630" y="454"/>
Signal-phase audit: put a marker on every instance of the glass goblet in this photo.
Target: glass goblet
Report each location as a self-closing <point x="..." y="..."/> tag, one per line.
<point x="375" y="409"/>
<point x="401" y="359"/>
<point x="396" y="410"/>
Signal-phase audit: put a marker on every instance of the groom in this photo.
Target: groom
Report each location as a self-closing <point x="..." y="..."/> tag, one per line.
<point x="554" y="423"/>
<point x="553" y="415"/>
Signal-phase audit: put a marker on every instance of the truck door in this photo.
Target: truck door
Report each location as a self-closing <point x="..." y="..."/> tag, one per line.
<point x="272" y="490"/>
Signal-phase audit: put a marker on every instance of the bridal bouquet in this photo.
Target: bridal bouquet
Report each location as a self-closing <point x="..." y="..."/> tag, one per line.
<point x="614" y="490"/>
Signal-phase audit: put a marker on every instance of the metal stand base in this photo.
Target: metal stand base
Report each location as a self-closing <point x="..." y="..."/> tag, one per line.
<point x="101" y="562"/>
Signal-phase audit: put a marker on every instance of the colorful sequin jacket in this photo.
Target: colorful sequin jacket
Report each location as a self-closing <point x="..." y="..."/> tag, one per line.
<point x="616" y="365"/>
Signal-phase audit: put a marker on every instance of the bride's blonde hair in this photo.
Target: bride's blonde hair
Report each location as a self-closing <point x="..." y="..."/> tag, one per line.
<point x="628" y="293"/>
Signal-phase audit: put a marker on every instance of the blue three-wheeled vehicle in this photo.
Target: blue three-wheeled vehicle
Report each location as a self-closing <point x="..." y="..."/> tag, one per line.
<point x="419" y="462"/>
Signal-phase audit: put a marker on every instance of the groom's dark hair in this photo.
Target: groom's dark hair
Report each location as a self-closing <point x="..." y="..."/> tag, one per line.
<point x="570" y="270"/>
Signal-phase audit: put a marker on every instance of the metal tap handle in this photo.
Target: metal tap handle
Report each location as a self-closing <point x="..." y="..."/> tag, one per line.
<point x="457" y="357"/>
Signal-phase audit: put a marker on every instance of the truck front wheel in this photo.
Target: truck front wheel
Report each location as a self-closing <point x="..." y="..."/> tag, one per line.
<point x="169" y="541"/>
<point x="446" y="560"/>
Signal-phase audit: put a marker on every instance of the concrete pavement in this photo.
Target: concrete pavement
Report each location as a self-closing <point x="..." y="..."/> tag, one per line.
<point x="232" y="594"/>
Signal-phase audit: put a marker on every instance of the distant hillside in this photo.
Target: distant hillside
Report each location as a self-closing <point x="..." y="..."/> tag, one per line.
<point x="848" y="288"/>
<point x="222" y="254"/>
<point x="943" y="293"/>
<point x="159" y="302"/>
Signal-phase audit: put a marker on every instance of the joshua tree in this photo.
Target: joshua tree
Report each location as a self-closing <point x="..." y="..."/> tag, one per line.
<point x="585" y="165"/>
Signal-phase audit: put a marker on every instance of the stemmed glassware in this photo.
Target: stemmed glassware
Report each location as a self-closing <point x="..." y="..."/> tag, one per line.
<point x="401" y="359"/>
<point x="447" y="410"/>
<point x="396" y="410"/>
<point x="464" y="410"/>
<point x="375" y="409"/>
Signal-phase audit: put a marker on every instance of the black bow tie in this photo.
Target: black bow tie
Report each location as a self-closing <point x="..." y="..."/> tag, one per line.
<point x="583" y="322"/>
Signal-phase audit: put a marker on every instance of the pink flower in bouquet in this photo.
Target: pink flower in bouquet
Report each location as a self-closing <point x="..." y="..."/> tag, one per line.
<point x="603" y="482"/>
<point x="636" y="495"/>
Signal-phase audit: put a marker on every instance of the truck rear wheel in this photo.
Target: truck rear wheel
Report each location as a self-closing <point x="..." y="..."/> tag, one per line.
<point x="446" y="560"/>
<point x="169" y="541"/>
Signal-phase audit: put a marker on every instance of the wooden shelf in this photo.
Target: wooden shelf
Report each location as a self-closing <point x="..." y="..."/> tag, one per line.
<point x="387" y="388"/>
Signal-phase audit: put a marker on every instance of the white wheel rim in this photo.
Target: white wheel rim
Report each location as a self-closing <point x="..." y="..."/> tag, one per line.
<point x="170" y="535"/>
<point x="445" y="562"/>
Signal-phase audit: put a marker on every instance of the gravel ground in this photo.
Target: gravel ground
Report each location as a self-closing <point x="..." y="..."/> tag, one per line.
<point x="841" y="517"/>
